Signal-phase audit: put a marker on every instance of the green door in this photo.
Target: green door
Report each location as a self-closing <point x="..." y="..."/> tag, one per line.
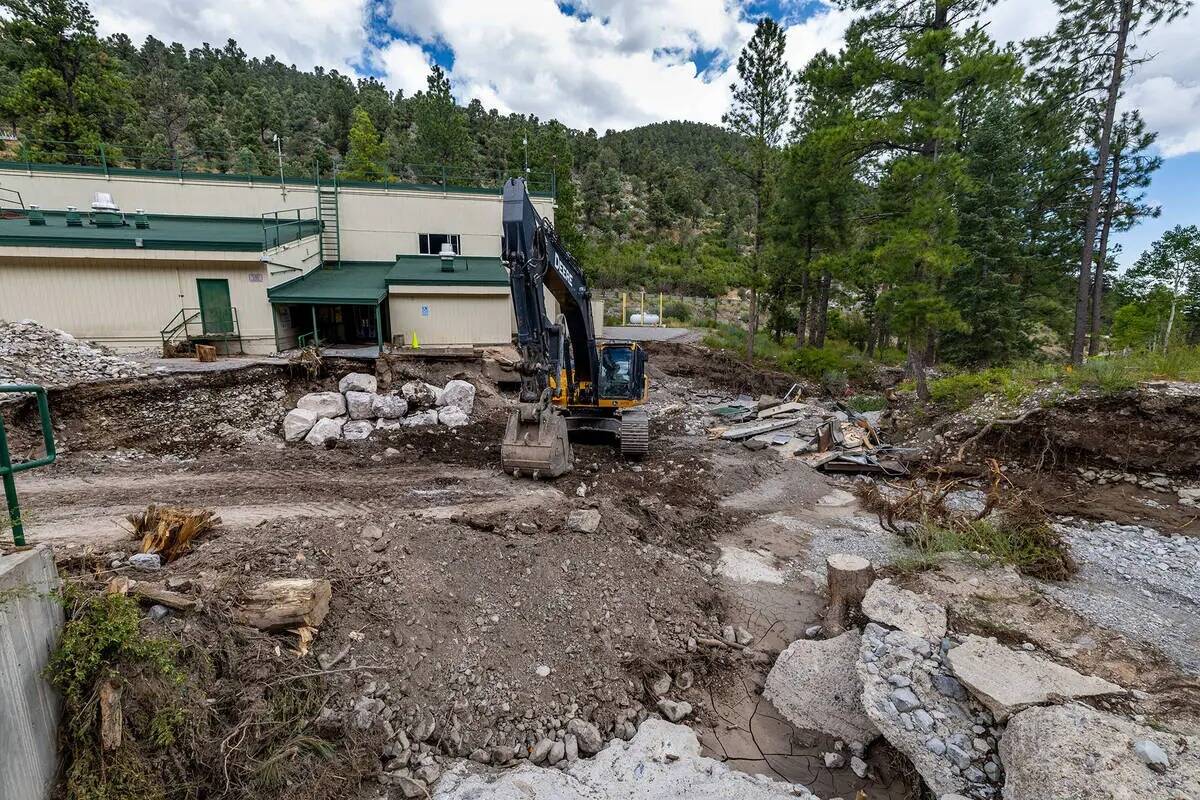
<point x="216" y="312"/>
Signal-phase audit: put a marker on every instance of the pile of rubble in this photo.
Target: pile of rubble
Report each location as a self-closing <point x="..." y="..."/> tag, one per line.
<point x="976" y="718"/>
<point x="31" y="353"/>
<point x="357" y="409"/>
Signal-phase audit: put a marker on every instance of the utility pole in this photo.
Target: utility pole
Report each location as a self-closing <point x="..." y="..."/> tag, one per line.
<point x="279" y="152"/>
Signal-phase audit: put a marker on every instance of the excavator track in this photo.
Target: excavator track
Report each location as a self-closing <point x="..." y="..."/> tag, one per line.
<point x="635" y="434"/>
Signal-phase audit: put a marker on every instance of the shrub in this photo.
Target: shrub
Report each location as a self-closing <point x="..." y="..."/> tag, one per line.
<point x="957" y="392"/>
<point x="678" y="310"/>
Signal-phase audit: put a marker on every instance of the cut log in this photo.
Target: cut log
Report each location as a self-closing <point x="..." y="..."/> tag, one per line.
<point x="111" y="721"/>
<point x="154" y="593"/>
<point x="849" y="578"/>
<point x="285" y="603"/>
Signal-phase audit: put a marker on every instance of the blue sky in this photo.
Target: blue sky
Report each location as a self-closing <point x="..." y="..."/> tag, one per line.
<point x="621" y="63"/>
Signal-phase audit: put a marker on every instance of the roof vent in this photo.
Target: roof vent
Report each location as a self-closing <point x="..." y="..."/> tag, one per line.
<point x="140" y="219"/>
<point x="36" y="217"/>
<point x="447" y="256"/>
<point x="103" y="201"/>
<point x="74" y="220"/>
<point x="105" y="212"/>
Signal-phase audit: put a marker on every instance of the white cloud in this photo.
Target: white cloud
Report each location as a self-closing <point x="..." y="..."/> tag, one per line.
<point x="307" y="33"/>
<point x="404" y="65"/>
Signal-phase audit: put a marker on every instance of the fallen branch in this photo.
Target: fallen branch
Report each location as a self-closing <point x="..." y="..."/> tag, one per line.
<point x="154" y="593"/>
<point x="986" y="429"/>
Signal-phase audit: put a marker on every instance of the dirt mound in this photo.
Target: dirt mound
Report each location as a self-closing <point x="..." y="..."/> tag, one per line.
<point x="717" y="368"/>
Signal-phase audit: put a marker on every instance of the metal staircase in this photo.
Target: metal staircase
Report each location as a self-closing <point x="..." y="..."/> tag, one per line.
<point x="331" y="233"/>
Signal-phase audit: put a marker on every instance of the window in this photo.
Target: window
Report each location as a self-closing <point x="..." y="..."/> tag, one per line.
<point x="431" y="243"/>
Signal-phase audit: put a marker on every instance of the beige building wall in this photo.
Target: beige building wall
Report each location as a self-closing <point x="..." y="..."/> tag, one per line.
<point x="376" y="224"/>
<point x="124" y="303"/>
<point x="292" y="260"/>
<point x="451" y="315"/>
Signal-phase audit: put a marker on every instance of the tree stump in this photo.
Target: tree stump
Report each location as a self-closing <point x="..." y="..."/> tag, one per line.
<point x="285" y="603"/>
<point x="206" y="353"/>
<point x="849" y="578"/>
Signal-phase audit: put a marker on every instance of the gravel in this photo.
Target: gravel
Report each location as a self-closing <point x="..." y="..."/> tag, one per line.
<point x="1138" y="581"/>
<point x="31" y="353"/>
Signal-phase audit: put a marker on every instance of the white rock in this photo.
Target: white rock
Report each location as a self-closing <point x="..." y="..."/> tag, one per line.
<point x="458" y="393"/>
<point x="664" y="757"/>
<point x="421" y="418"/>
<point x="358" y="429"/>
<point x="583" y="520"/>
<point x="899" y="608"/>
<point x="815" y="685"/>
<point x="389" y="406"/>
<point x="420" y="394"/>
<point x="325" y="430"/>
<point x="297" y="423"/>
<point x="326" y="404"/>
<point x="1007" y="680"/>
<point x="1073" y="751"/>
<point x="358" y="382"/>
<point x="452" y="417"/>
<point x="360" y="404"/>
<point x="674" y="711"/>
<point x="389" y="424"/>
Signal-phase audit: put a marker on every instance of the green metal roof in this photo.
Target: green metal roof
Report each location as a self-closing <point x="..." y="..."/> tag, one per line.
<point x="427" y="270"/>
<point x="166" y="232"/>
<point x="354" y="283"/>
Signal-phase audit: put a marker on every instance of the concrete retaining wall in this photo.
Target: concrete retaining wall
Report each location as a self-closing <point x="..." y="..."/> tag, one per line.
<point x="30" y="622"/>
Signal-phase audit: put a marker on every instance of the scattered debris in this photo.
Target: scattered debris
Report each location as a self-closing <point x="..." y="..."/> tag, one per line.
<point x="31" y="353"/>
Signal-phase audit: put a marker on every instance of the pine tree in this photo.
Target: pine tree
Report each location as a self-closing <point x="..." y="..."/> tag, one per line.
<point x="1096" y="42"/>
<point x="759" y="112"/>
<point x="366" y="158"/>
<point x="441" y="136"/>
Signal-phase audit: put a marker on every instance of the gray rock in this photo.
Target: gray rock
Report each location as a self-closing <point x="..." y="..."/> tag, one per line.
<point x="1073" y="751"/>
<point x="360" y="404"/>
<point x="899" y="608"/>
<point x="960" y="757"/>
<point x="324" y="431"/>
<point x="420" y="394"/>
<point x="587" y="734"/>
<point x="905" y="700"/>
<point x="949" y="686"/>
<point x="858" y="766"/>
<point x="388" y="406"/>
<point x="922" y="720"/>
<point x="674" y="711"/>
<point x="297" y="423"/>
<point x="815" y="686"/>
<point x="570" y="748"/>
<point x="158" y="612"/>
<point x="357" y="430"/>
<point x="460" y="394"/>
<point x="452" y="417"/>
<point x="325" y="405"/>
<point x="421" y="419"/>
<point x="1007" y="680"/>
<point x="411" y="787"/>
<point x="1151" y="755"/>
<point x="557" y="751"/>
<point x="541" y="751"/>
<point x="744" y="637"/>
<point x="662" y="762"/>
<point x="834" y="760"/>
<point x="935" y="745"/>
<point x="583" y="520"/>
<point x="146" y="561"/>
<point x="358" y="382"/>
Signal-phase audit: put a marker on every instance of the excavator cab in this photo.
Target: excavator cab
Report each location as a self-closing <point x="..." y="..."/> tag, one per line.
<point x="622" y="374"/>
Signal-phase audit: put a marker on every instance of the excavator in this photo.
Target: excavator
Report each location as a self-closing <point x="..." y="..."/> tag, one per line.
<point x="571" y="383"/>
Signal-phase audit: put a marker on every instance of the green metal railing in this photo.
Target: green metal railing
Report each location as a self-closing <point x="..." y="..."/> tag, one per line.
<point x="190" y="324"/>
<point x="8" y="469"/>
<point x="111" y="159"/>
<point x="281" y="227"/>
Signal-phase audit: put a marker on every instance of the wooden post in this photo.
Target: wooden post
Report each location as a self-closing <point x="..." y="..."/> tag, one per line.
<point x="111" y="721"/>
<point x="849" y="578"/>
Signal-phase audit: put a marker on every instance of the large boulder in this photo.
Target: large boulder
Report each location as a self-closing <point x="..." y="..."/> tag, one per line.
<point x="1072" y="751"/>
<point x="890" y="605"/>
<point x="815" y="685"/>
<point x="360" y="404"/>
<point x="358" y="382"/>
<point x="358" y="429"/>
<point x="388" y="406"/>
<point x="452" y="416"/>
<point x="326" y="405"/>
<point x="297" y="423"/>
<point x="420" y="394"/>
<point x="458" y="393"/>
<point x="661" y="762"/>
<point x="934" y="724"/>
<point x="1007" y="680"/>
<point x="325" y="430"/>
<point x="421" y="419"/>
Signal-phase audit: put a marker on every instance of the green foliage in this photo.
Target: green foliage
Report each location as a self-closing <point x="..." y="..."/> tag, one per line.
<point x="102" y="634"/>
<point x="677" y="310"/>
<point x="367" y="155"/>
<point x="867" y="402"/>
<point x="957" y="392"/>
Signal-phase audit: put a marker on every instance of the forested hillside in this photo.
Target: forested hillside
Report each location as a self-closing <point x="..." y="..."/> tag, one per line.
<point x="923" y="188"/>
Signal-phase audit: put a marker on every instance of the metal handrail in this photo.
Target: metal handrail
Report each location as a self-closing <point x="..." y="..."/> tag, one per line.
<point x="273" y="227"/>
<point x="8" y="469"/>
<point x="5" y="191"/>
<point x="188" y="317"/>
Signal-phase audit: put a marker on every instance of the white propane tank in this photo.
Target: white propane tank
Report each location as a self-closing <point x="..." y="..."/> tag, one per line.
<point x="643" y="319"/>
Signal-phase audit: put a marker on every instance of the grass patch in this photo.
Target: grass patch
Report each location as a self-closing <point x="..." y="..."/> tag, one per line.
<point x="867" y="402"/>
<point x="835" y="365"/>
<point x="1034" y="549"/>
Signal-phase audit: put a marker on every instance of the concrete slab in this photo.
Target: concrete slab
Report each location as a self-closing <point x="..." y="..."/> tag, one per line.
<point x="815" y="685"/>
<point x="30" y="622"/>
<point x="1007" y="680"/>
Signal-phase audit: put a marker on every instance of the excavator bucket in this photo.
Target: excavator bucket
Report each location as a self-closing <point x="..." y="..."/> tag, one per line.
<point x="535" y="443"/>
